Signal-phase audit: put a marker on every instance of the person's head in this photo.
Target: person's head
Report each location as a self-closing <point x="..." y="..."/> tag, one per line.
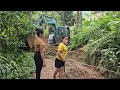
<point x="40" y="32"/>
<point x="50" y="28"/>
<point x="65" y="40"/>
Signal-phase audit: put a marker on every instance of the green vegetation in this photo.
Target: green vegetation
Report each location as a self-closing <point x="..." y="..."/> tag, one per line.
<point x="102" y="37"/>
<point x="16" y="66"/>
<point x="14" y="28"/>
<point x="100" y="33"/>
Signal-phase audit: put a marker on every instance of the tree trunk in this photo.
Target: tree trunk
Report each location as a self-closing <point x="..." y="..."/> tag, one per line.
<point x="64" y="17"/>
<point x="78" y="18"/>
<point x="78" y="21"/>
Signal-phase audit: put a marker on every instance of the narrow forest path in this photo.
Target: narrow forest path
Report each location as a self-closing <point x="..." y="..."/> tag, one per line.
<point x="74" y="69"/>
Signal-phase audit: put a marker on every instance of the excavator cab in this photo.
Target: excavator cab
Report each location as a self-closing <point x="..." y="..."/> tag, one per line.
<point x="54" y="32"/>
<point x="62" y="30"/>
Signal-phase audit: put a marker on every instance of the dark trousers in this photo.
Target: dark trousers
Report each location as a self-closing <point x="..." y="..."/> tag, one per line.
<point x="38" y="63"/>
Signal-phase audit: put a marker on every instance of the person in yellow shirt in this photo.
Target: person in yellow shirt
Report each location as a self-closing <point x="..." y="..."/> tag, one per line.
<point x="60" y="58"/>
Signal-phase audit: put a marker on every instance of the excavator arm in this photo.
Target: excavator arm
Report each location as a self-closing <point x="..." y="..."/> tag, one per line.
<point x="44" y="21"/>
<point x="57" y="31"/>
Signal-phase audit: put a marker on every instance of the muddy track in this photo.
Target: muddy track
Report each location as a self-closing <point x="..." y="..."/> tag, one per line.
<point x="76" y="70"/>
<point x="74" y="67"/>
<point x="73" y="70"/>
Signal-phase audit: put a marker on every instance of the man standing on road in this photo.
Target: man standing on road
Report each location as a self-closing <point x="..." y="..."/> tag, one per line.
<point x="39" y="55"/>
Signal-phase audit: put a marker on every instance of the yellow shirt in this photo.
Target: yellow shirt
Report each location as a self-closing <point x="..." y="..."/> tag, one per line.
<point x="63" y="49"/>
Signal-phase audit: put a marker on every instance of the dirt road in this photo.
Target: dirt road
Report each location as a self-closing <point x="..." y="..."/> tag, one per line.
<point x="74" y="67"/>
<point x="74" y="70"/>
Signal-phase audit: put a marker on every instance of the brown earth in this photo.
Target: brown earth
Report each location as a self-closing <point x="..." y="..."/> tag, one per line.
<point x="74" y="68"/>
